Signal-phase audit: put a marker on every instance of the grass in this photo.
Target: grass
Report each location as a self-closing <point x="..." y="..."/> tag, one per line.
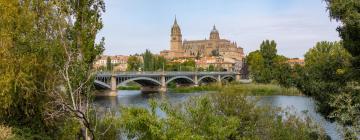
<point x="261" y="89"/>
<point x="250" y="89"/>
<point x="190" y="89"/>
<point x="129" y="88"/>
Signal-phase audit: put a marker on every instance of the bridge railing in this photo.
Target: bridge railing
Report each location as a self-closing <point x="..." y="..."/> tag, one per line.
<point x="165" y="73"/>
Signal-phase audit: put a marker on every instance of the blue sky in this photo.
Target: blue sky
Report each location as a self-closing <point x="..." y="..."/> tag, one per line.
<point x="131" y="26"/>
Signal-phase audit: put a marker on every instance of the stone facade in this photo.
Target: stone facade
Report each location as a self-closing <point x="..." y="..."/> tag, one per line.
<point x="119" y="62"/>
<point x="215" y="46"/>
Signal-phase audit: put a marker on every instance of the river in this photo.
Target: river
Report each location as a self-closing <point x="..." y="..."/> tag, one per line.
<point x="295" y="104"/>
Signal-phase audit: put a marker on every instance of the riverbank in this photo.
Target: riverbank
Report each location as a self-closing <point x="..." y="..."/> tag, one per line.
<point x="129" y="88"/>
<point x="250" y="89"/>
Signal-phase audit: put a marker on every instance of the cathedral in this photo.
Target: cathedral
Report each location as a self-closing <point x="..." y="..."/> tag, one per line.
<point x="212" y="47"/>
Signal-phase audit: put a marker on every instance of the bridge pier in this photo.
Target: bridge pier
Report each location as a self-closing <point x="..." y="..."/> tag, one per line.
<point x="113" y="88"/>
<point x="163" y="84"/>
<point x="237" y="77"/>
<point x="113" y="91"/>
<point x="196" y="81"/>
<point x="219" y="80"/>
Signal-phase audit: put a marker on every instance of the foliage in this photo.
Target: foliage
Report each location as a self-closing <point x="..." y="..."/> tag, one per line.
<point x="348" y="13"/>
<point x="108" y="64"/>
<point x="148" y="60"/>
<point x="347" y="112"/>
<point x="325" y="73"/>
<point x="133" y="63"/>
<point x="227" y="115"/>
<point x="107" y="124"/>
<point x="269" y="52"/>
<point x="129" y="88"/>
<point x="153" y="62"/>
<point x="159" y="63"/>
<point x="346" y="103"/>
<point x="69" y="130"/>
<point x="186" y="65"/>
<point x="47" y="51"/>
<point x="28" y="55"/>
<point x="209" y="87"/>
<point x="211" y="67"/>
<point x="264" y="63"/>
<point x="248" y="89"/>
<point x="256" y="67"/>
<point x="283" y="72"/>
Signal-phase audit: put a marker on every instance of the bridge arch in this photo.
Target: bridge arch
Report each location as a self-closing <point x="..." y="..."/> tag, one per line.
<point x="102" y="84"/>
<point x="201" y="79"/>
<point x="143" y="81"/>
<point x="180" y="77"/>
<point x="228" y="76"/>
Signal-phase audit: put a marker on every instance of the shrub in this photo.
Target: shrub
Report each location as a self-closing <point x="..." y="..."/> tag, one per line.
<point x="227" y="115"/>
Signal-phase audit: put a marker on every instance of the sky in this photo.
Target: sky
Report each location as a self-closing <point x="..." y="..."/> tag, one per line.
<point x="132" y="26"/>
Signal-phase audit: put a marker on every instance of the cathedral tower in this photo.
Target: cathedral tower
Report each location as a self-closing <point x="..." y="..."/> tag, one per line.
<point x="214" y="35"/>
<point x="176" y="37"/>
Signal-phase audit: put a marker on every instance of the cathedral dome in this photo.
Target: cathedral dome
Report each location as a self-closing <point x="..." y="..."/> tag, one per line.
<point x="214" y="34"/>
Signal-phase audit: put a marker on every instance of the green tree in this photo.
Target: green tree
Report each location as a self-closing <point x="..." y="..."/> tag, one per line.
<point x="211" y="67"/>
<point x="80" y="49"/>
<point x="27" y="66"/>
<point x="159" y="63"/>
<point x="269" y="52"/>
<point x="148" y="61"/>
<point x="133" y="63"/>
<point x="108" y="64"/>
<point x="283" y="72"/>
<point x="262" y="62"/>
<point x="325" y="73"/>
<point x="348" y="13"/>
<point x="256" y="66"/>
<point x="46" y="45"/>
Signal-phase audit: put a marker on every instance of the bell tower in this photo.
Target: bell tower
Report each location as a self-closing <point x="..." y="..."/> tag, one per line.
<point x="176" y="37"/>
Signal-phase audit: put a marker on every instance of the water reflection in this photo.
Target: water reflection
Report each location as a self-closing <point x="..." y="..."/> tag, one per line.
<point x="298" y="105"/>
<point x="295" y="104"/>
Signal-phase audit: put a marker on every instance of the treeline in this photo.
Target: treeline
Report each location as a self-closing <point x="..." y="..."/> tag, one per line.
<point x="267" y="66"/>
<point x="331" y="71"/>
<point x="152" y="62"/>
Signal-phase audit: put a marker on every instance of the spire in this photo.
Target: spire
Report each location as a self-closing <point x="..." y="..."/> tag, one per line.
<point x="214" y="28"/>
<point x="175" y="29"/>
<point x="175" y="21"/>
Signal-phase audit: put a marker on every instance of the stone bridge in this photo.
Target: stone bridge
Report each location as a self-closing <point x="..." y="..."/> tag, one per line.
<point x="158" y="81"/>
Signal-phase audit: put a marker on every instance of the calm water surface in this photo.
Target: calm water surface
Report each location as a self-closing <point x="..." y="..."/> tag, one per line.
<point x="295" y="104"/>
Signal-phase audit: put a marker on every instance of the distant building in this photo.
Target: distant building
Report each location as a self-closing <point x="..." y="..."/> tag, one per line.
<point x="215" y="51"/>
<point x="221" y="63"/>
<point x="294" y="61"/>
<point x="119" y="62"/>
